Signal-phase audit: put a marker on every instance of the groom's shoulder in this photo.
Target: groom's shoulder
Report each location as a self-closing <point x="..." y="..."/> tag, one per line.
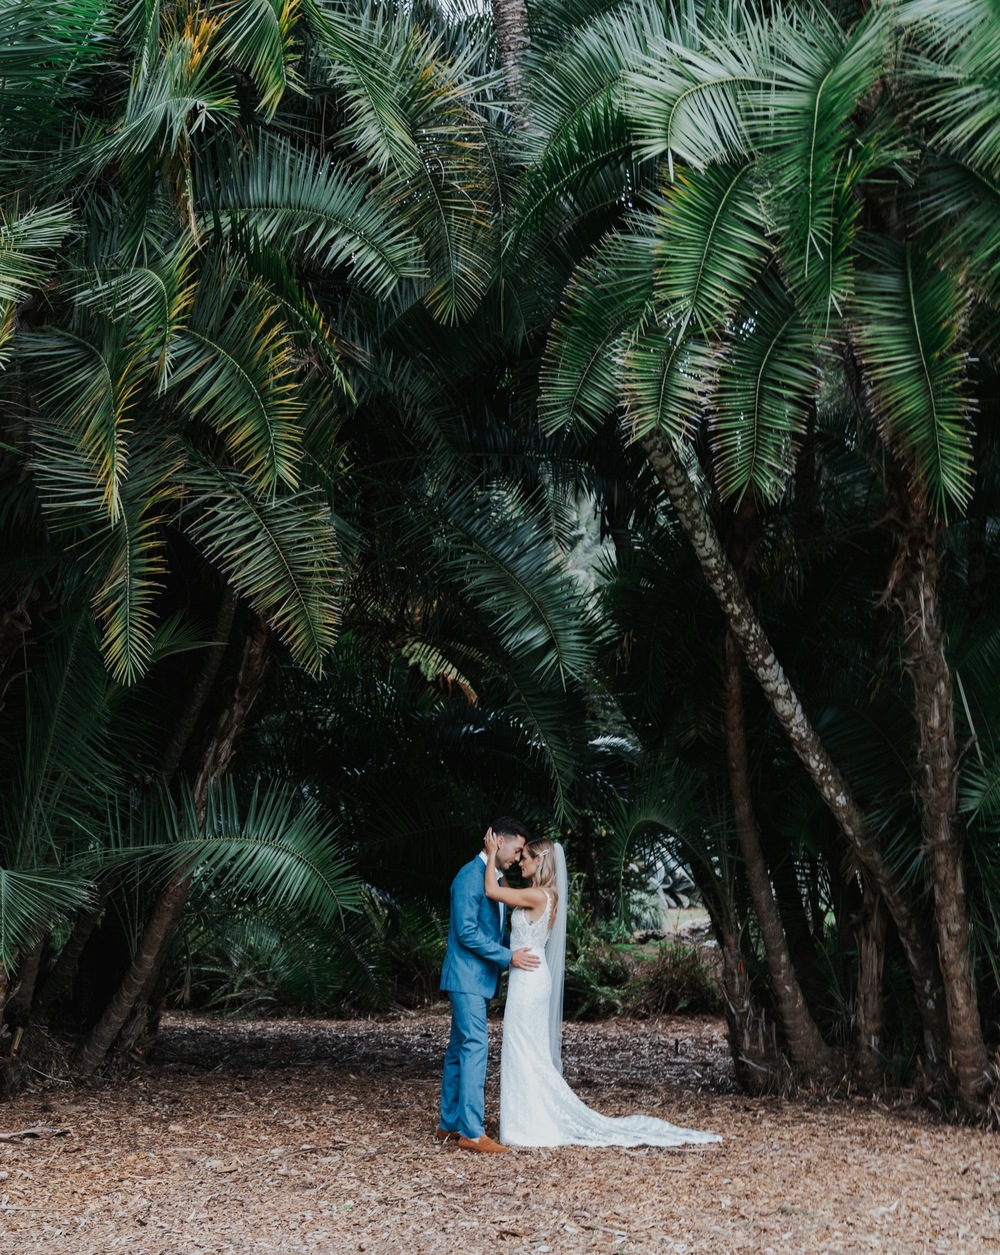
<point x="469" y="870"/>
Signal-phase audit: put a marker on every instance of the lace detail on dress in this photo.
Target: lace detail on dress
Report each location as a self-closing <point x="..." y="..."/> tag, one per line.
<point x="537" y="1107"/>
<point x="525" y="933"/>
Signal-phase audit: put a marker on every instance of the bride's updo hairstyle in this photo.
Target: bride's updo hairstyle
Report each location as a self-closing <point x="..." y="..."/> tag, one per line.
<point x="545" y="876"/>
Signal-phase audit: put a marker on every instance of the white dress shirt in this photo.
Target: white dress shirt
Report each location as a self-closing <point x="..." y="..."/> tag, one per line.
<point x="486" y="861"/>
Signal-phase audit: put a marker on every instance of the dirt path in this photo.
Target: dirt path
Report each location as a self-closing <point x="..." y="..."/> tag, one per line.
<point x="316" y="1136"/>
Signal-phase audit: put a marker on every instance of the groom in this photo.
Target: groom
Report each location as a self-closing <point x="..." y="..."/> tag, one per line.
<point x="473" y="962"/>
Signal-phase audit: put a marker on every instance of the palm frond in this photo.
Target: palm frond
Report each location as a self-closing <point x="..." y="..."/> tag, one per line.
<point x="257" y="36"/>
<point x="279" y="554"/>
<point x="173" y="96"/>
<point x="416" y="115"/>
<point x="584" y="71"/>
<point x="450" y="194"/>
<point x="437" y="666"/>
<point x="235" y="369"/>
<point x="59" y="773"/>
<point x="28" y="240"/>
<point x="979" y="791"/>
<point x="689" y="101"/>
<point x="380" y="127"/>
<point x="587" y="168"/>
<point x="665" y="374"/>
<point x="804" y="125"/>
<point x="764" y="385"/>
<point x="950" y="70"/>
<point x="31" y="900"/>
<point x="322" y="212"/>
<point x="132" y="564"/>
<point x="578" y="151"/>
<point x="47" y="51"/>
<point x="90" y="387"/>
<point x="315" y="332"/>
<point x="607" y="298"/>
<point x="909" y="320"/>
<point x="498" y="552"/>
<point x="710" y="244"/>
<point x="153" y="301"/>
<point x="278" y="850"/>
<point x="667" y="801"/>
<point x="27" y="244"/>
<point x="961" y="208"/>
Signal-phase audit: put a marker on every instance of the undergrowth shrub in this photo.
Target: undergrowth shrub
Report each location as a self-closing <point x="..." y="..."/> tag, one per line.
<point x="679" y="978"/>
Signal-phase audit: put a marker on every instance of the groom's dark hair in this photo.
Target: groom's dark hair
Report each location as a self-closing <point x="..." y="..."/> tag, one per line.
<point x="506" y="826"/>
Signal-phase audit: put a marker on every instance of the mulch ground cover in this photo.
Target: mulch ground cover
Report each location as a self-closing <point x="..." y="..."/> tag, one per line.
<point x="317" y="1136"/>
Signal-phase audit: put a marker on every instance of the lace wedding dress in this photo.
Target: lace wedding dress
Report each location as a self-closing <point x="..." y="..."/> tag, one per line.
<point x="537" y="1107"/>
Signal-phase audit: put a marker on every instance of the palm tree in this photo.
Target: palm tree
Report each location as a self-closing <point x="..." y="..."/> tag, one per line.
<point x="209" y="201"/>
<point x="793" y="227"/>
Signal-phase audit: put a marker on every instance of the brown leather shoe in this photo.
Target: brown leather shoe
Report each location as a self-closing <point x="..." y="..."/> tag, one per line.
<point x="446" y="1135"/>
<point x="483" y="1143"/>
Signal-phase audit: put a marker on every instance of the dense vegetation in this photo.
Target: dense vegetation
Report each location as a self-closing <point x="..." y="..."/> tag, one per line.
<point x="328" y="330"/>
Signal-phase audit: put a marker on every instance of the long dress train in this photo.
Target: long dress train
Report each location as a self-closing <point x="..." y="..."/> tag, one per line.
<point x="537" y="1107"/>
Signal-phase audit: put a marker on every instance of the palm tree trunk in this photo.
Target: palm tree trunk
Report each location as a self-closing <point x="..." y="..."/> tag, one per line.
<point x="915" y="586"/>
<point x="215" y="760"/>
<point x="869" y="997"/>
<point x="510" y="20"/>
<point x="810" y="1054"/>
<point x="784" y="701"/>
<point x="757" y="1062"/>
<point x="29" y="965"/>
<point x="90" y="1053"/>
<point x="198" y="694"/>
<point x="58" y="987"/>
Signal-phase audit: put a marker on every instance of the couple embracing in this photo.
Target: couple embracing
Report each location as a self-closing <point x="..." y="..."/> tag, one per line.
<point x="537" y="1107"/>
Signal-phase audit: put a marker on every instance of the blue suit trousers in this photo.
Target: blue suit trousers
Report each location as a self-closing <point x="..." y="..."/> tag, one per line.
<point x="464" y="1080"/>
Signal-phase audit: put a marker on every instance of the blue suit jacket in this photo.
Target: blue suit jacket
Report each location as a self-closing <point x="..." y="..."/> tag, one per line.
<point x="476" y="955"/>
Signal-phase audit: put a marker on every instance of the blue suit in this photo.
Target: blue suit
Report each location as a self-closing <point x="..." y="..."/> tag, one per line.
<point x="473" y="964"/>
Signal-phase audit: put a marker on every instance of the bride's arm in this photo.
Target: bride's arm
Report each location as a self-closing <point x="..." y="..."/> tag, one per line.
<point x="501" y="892"/>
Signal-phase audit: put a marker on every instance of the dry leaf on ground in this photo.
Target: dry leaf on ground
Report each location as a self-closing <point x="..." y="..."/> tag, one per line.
<point x="316" y="1136"/>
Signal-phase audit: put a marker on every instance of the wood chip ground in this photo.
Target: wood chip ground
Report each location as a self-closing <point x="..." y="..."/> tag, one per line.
<point x="316" y="1136"/>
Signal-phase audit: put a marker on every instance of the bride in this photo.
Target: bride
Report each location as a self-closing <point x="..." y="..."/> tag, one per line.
<point x="537" y="1107"/>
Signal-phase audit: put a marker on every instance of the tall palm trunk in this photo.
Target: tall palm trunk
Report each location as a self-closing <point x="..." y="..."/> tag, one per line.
<point x="810" y="1054"/>
<point x="869" y="998"/>
<point x="28" y="968"/>
<point x="510" y="19"/>
<point x="784" y="701"/>
<point x="756" y="1058"/>
<point x="215" y="760"/>
<point x="56" y="990"/>
<point x="915" y="588"/>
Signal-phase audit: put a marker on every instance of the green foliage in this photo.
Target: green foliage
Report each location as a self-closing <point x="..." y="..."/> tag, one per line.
<point x="416" y="938"/>
<point x="596" y="979"/>
<point x="678" y="978"/>
<point x="30" y="901"/>
<point x="596" y="973"/>
<point x="262" y="964"/>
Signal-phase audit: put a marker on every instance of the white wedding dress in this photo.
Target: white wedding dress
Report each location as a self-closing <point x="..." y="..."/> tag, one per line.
<point x="537" y="1107"/>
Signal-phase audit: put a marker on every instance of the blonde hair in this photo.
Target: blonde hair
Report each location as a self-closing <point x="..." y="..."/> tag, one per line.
<point x="545" y="875"/>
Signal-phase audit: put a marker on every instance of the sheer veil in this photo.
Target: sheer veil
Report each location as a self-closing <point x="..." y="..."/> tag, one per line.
<point x="555" y="955"/>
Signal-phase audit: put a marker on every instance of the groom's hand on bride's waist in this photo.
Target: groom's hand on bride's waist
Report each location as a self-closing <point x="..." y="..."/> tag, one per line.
<point x="525" y="959"/>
